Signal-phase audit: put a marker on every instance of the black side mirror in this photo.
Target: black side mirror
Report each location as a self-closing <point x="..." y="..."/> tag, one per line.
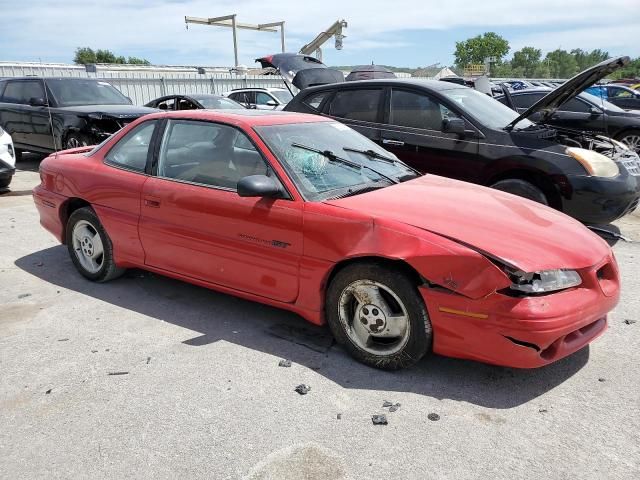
<point x="37" y="102"/>
<point x="259" y="186"/>
<point x="595" y="111"/>
<point x="272" y="103"/>
<point x="454" y="125"/>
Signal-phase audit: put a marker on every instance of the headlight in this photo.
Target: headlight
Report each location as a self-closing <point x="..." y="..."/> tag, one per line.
<point x="544" y="281"/>
<point x="596" y="164"/>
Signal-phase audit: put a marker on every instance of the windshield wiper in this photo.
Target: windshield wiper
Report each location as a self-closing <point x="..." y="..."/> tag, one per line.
<point x="370" y="153"/>
<point x="335" y="158"/>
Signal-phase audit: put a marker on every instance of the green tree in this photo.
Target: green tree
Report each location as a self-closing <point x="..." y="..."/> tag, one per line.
<point x="631" y="70"/>
<point x="526" y="60"/>
<point x="138" y="61"/>
<point x="561" y="63"/>
<point x="586" y="59"/>
<point x="477" y="49"/>
<point x="84" y="56"/>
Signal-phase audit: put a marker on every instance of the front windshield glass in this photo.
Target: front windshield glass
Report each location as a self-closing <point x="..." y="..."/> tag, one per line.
<point x="218" y="103"/>
<point x="317" y="176"/>
<point x="69" y="93"/>
<point x="484" y="108"/>
<point x="601" y="102"/>
<point x="282" y="95"/>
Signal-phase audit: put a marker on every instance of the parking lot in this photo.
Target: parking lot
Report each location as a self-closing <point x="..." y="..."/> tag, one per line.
<point x="150" y="377"/>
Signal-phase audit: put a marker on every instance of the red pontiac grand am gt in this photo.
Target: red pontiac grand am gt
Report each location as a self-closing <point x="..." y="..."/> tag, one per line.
<point x="303" y="213"/>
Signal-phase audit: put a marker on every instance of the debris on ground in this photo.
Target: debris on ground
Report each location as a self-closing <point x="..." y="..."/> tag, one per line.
<point x="303" y="389"/>
<point x="39" y="264"/>
<point x="543" y="410"/>
<point x="379" y="419"/>
<point x="434" y="417"/>
<point x="24" y="295"/>
<point x="118" y="373"/>
<point x="602" y="379"/>
<point x="148" y="360"/>
<point x="284" y="363"/>
<point x="390" y="405"/>
<point x="317" y="339"/>
<point x="48" y="391"/>
<point x="339" y="416"/>
<point x="94" y="351"/>
<point x="63" y="339"/>
<point x="629" y="321"/>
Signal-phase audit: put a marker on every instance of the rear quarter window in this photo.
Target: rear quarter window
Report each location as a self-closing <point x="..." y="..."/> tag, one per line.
<point x="315" y="100"/>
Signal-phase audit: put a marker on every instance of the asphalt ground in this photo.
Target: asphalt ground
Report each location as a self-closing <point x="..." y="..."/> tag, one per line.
<point x="148" y="377"/>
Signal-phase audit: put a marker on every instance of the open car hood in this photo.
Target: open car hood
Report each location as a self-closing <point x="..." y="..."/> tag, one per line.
<point x="518" y="232"/>
<point x="301" y="70"/>
<point x="548" y="104"/>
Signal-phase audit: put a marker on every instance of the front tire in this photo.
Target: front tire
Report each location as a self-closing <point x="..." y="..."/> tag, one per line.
<point x="90" y="247"/>
<point x="631" y="138"/>
<point x="522" y="188"/>
<point x="377" y="314"/>
<point x="77" y="140"/>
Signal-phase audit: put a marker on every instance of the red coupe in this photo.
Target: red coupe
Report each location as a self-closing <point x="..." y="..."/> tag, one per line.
<point x="303" y="213"/>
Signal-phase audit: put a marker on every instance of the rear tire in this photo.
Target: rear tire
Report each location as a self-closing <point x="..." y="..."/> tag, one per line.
<point x="90" y="247"/>
<point x="521" y="188"/>
<point x="377" y="314"/>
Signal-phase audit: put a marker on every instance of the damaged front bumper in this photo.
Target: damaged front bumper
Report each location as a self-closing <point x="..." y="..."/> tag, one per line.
<point x="525" y="332"/>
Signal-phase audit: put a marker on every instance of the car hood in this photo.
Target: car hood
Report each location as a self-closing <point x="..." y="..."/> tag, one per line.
<point x="516" y="231"/>
<point x="116" y="111"/>
<point x="548" y="104"/>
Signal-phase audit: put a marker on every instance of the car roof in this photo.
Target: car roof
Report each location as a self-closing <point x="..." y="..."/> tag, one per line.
<point x="436" y="85"/>
<point x="266" y="89"/>
<point x="244" y="118"/>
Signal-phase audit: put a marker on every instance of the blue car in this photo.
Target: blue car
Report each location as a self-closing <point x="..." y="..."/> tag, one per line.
<point x="623" y="97"/>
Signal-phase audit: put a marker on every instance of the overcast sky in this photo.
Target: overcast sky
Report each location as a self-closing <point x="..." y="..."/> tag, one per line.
<point x="396" y="32"/>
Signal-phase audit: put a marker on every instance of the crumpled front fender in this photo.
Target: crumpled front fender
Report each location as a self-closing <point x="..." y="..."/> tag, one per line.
<point x="445" y="263"/>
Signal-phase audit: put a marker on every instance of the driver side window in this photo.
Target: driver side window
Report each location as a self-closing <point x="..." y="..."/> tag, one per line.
<point x="132" y="150"/>
<point x="409" y="109"/>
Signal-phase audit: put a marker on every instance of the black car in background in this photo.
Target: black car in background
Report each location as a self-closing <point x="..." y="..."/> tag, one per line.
<point x="455" y="131"/>
<point x="194" y="101"/>
<point x="82" y="112"/>
<point x="583" y="112"/>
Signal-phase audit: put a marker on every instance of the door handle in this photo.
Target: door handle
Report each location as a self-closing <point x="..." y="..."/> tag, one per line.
<point x="388" y="141"/>
<point x="152" y="202"/>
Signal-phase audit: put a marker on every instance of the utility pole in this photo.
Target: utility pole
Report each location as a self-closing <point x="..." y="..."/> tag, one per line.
<point x="230" y="21"/>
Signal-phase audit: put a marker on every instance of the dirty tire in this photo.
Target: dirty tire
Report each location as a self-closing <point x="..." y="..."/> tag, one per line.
<point x="108" y="269"/>
<point x="419" y="334"/>
<point x="76" y="140"/>
<point x="18" y="154"/>
<point x="5" y="182"/>
<point x="522" y="188"/>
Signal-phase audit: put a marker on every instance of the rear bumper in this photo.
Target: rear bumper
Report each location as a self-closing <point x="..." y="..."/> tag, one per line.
<point x="49" y="205"/>
<point x="602" y="200"/>
<point x="526" y="332"/>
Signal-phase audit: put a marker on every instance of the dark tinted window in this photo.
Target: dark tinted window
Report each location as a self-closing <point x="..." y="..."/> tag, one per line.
<point x="208" y="153"/>
<point x="243" y="97"/>
<point x="70" y="92"/>
<point x="23" y="91"/>
<point x="409" y="109"/>
<point x="168" y="104"/>
<point x="575" y="105"/>
<point x="357" y="104"/>
<point x="525" y="101"/>
<point x="131" y="151"/>
<point x="315" y="100"/>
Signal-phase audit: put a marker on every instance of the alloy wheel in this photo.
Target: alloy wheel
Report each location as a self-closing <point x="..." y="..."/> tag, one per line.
<point x="87" y="246"/>
<point x="374" y="317"/>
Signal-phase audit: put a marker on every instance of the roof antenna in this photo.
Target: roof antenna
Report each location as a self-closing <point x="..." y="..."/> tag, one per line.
<point x="46" y="98"/>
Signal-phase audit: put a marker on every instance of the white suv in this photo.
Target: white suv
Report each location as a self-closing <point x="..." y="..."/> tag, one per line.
<point x="7" y="160"/>
<point x="261" y="98"/>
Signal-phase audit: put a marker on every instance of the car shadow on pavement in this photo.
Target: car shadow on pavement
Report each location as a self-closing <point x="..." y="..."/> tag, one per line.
<point x="214" y="316"/>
